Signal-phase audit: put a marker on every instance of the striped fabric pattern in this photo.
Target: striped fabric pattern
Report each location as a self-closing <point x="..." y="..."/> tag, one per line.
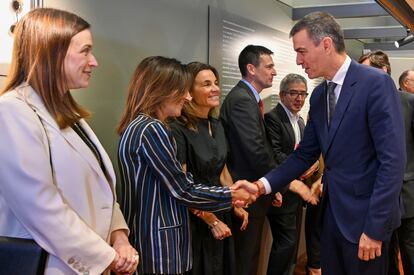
<point x="156" y="194"/>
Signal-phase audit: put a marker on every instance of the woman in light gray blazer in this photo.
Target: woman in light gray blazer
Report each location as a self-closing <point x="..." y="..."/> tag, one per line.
<point x="56" y="180"/>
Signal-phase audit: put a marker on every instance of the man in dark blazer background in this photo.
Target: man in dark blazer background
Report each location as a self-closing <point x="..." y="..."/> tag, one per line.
<point x="285" y="128"/>
<point x="356" y="123"/>
<point x="250" y="153"/>
<point x="404" y="235"/>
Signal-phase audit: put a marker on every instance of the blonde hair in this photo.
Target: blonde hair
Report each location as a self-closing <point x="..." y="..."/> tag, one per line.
<point x="41" y="41"/>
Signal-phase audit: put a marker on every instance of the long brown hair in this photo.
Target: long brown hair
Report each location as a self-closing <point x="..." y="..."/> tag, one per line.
<point x="189" y="112"/>
<point x="41" y="41"/>
<point x="156" y="79"/>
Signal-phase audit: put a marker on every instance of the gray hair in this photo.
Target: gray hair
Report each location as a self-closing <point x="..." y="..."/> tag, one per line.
<point x="289" y="79"/>
<point x="319" y="25"/>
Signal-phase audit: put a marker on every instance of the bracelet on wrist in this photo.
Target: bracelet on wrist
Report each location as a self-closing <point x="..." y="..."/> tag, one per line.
<point x="259" y="188"/>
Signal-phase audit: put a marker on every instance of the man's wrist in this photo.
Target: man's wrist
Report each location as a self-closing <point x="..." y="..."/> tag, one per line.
<point x="260" y="187"/>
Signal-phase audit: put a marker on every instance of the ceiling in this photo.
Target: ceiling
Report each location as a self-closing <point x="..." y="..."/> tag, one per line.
<point x="376" y="24"/>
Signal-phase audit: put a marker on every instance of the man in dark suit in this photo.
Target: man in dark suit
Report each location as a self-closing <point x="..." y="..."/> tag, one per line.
<point x="406" y="81"/>
<point x="356" y="123"/>
<point x="285" y="128"/>
<point x="404" y="235"/>
<point x="250" y="153"/>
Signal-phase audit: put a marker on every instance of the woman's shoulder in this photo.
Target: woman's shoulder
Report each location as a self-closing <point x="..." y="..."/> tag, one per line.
<point x="178" y="127"/>
<point x="144" y="124"/>
<point x="14" y="101"/>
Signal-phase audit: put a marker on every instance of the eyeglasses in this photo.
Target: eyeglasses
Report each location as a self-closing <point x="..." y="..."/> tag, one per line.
<point x="295" y="93"/>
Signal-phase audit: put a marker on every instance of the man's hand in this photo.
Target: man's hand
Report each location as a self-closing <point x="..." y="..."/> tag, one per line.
<point x="316" y="188"/>
<point x="310" y="171"/>
<point x="277" y="200"/>
<point x="303" y="190"/>
<point x="243" y="193"/>
<point x="368" y="248"/>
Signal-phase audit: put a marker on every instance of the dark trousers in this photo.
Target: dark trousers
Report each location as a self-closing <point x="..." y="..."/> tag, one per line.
<point x="285" y="236"/>
<point x="247" y="245"/>
<point x="313" y="228"/>
<point x="340" y="257"/>
<point x="403" y="237"/>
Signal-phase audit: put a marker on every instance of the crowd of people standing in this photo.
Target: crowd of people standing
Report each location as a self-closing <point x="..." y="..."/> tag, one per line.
<point x="198" y="180"/>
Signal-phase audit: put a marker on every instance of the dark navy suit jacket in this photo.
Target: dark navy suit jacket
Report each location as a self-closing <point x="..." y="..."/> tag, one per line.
<point x="364" y="153"/>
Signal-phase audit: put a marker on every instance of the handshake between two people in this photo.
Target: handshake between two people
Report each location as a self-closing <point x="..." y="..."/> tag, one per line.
<point x="245" y="193"/>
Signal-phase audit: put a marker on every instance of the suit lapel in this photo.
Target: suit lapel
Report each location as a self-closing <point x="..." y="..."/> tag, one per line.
<point x="286" y="123"/>
<point x="319" y="114"/>
<point x="77" y="144"/>
<point x="345" y="97"/>
<point x="243" y="85"/>
<point x="105" y="158"/>
<point x="301" y="126"/>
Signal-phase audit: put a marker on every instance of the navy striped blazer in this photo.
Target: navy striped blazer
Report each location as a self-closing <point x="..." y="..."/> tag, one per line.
<point x="156" y="194"/>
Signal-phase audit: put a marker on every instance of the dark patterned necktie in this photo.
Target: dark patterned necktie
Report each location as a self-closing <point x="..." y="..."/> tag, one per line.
<point x="261" y="107"/>
<point x="331" y="100"/>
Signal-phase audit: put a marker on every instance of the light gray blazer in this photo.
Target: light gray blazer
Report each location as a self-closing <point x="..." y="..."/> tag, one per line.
<point x="72" y="216"/>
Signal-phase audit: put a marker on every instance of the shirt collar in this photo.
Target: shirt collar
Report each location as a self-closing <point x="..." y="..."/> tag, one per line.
<point x="341" y="73"/>
<point x="289" y="113"/>
<point x="256" y="94"/>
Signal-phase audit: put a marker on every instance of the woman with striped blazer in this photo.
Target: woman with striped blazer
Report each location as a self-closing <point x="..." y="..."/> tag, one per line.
<point x="156" y="191"/>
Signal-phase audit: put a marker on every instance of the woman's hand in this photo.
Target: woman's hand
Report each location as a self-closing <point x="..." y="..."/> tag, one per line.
<point x="220" y="230"/>
<point x="127" y="258"/>
<point x="243" y="215"/>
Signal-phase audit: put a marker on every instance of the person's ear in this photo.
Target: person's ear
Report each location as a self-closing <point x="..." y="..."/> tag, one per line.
<point x="327" y="43"/>
<point x="251" y="69"/>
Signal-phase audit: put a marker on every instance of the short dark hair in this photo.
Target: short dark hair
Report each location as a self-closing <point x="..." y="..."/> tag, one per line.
<point x="251" y="55"/>
<point x="319" y="25"/>
<point x="289" y="79"/>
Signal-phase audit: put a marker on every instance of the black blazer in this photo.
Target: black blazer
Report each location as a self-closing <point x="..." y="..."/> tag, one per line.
<point x="407" y="103"/>
<point x="250" y="152"/>
<point x="282" y="138"/>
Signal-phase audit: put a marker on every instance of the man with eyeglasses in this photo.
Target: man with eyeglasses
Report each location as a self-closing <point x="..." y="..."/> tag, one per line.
<point x="285" y="129"/>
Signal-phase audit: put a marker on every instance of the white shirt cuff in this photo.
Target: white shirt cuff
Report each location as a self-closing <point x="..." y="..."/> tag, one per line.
<point x="266" y="185"/>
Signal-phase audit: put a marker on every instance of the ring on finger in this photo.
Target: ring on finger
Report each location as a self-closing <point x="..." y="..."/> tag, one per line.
<point x="135" y="257"/>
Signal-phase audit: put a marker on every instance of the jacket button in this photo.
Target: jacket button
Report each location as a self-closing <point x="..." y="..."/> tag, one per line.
<point x="71" y="260"/>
